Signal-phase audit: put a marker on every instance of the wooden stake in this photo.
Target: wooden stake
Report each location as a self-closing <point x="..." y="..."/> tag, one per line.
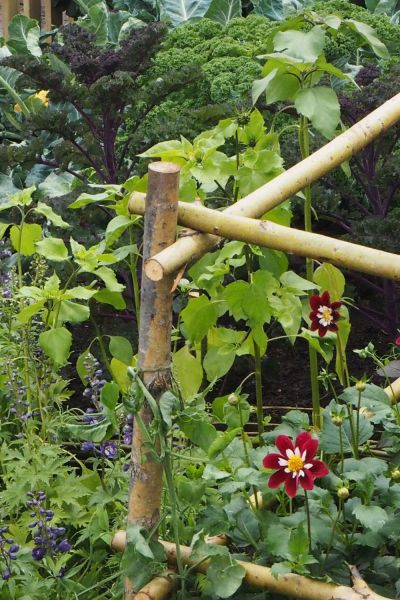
<point x="269" y="235"/>
<point x="327" y="158"/>
<point x="290" y="585"/>
<point x="9" y="8"/>
<point x="154" y="344"/>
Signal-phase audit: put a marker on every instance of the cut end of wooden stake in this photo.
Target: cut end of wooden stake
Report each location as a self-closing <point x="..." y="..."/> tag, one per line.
<point x="153" y="270"/>
<point x="164" y="167"/>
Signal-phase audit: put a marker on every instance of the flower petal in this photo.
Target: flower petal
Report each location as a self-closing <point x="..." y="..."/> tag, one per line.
<point x="283" y="443"/>
<point x="277" y="478"/>
<point x="325" y="298"/>
<point x="318" y="468"/>
<point x="322" y="330"/>
<point x="315" y="302"/>
<point x="310" y="448"/>
<point x="291" y="486"/>
<point x="307" y="482"/>
<point x="271" y="461"/>
<point x="302" y="439"/>
<point x="335" y="305"/>
<point x="314" y="325"/>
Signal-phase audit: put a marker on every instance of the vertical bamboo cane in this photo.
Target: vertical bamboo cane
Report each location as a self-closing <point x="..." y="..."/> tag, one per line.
<point x="9" y="8"/>
<point x="33" y="9"/>
<point x="154" y="343"/>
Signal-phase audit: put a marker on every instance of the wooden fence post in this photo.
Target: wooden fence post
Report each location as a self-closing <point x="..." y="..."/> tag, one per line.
<point x="154" y="364"/>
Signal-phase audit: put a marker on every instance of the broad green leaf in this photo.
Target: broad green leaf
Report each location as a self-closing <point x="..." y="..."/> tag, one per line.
<point x="372" y="517"/>
<point x="198" y="317"/>
<point x="3" y="228"/>
<point x="110" y="279"/>
<point x="71" y="312"/>
<point x="24" y="34"/>
<point x="369" y="35"/>
<point x="81" y="368"/>
<point x="169" y="406"/>
<point x="56" y="344"/>
<point x="188" y="372"/>
<point x="115" y="299"/>
<point x="121" y="349"/>
<point x="218" y="361"/>
<point x="331" y="279"/>
<point x="24" y="239"/>
<point x="109" y="395"/>
<point x="225" y="575"/>
<point x="32" y="309"/>
<point x="321" y="106"/>
<point x="303" y="47"/>
<point x="48" y="212"/>
<point x="222" y="441"/>
<point x="166" y="150"/>
<point x="292" y="281"/>
<point x="330" y="440"/>
<point x="135" y="537"/>
<point x="184" y="10"/>
<point x="298" y="543"/>
<point x="52" y="249"/>
<point x="56" y="185"/>
<point x="223" y="11"/>
<point x="274" y="261"/>
<point x="20" y="198"/>
<point x="120" y="375"/>
<point x="7" y="187"/>
<point x="196" y="427"/>
<point x="116" y="227"/>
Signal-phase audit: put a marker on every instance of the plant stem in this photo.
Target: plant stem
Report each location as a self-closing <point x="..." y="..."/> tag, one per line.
<point x="307" y="507"/>
<point x="353" y="433"/>
<point x="341" y="449"/>
<point x="334" y="526"/>
<point x="358" y="419"/>
<point x="174" y="518"/>
<point x="304" y="143"/>
<point x="259" y="393"/>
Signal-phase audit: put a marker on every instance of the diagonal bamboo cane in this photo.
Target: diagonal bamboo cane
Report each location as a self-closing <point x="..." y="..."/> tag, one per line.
<point x="290" y="585"/>
<point x="289" y="183"/>
<point x="271" y="235"/>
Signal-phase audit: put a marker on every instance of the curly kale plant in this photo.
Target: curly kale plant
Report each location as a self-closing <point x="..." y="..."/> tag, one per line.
<point x="79" y="123"/>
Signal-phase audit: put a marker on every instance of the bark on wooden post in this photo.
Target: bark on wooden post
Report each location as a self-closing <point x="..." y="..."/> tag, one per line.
<point x="154" y="343"/>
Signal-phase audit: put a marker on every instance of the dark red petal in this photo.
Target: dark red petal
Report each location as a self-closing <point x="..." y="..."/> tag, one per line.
<point x="322" y="330"/>
<point x="310" y="448"/>
<point x="271" y="461"/>
<point x="397" y="341"/>
<point x="333" y="327"/>
<point x="318" y="468"/>
<point x="283" y="443"/>
<point x="326" y="299"/>
<point x="315" y="302"/>
<point x="277" y="478"/>
<point x="335" y="305"/>
<point x="307" y="482"/>
<point x="302" y="439"/>
<point x="291" y="485"/>
<point x="314" y="325"/>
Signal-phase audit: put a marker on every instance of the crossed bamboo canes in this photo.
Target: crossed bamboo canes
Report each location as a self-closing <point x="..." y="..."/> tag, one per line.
<point x="163" y="257"/>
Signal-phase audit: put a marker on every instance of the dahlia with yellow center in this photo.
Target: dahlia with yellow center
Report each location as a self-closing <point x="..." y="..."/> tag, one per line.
<point x="324" y="313"/>
<point x="295" y="463"/>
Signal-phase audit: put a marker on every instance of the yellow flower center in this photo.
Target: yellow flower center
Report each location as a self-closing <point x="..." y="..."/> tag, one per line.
<point x="327" y="314"/>
<point x="295" y="463"/>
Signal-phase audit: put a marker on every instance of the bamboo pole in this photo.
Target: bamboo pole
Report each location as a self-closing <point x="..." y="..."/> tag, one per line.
<point x="154" y="363"/>
<point x="33" y="9"/>
<point x="393" y="390"/>
<point x="290" y="182"/>
<point x="290" y="585"/>
<point x="271" y="235"/>
<point x="9" y="8"/>
<point x="159" y="588"/>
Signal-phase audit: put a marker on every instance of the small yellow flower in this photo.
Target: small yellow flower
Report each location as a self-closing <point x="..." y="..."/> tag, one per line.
<point x="43" y="95"/>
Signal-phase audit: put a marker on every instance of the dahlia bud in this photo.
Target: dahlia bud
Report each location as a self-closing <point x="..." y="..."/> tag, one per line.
<point x="395" y="474"/>
<point x="360" y="386"/>
<point x="233" y="399"/>
<point x="343" y="493"/>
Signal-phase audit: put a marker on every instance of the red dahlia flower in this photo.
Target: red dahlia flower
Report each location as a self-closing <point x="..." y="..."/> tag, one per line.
<point x="397" y="341"/>
<point x="324" y="314"/>
<point x="295" y="464"/>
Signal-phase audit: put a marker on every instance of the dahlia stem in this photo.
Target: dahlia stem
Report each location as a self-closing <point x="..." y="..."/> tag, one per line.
<point x="307" y="506"/>
<point x="304" y="143"/>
